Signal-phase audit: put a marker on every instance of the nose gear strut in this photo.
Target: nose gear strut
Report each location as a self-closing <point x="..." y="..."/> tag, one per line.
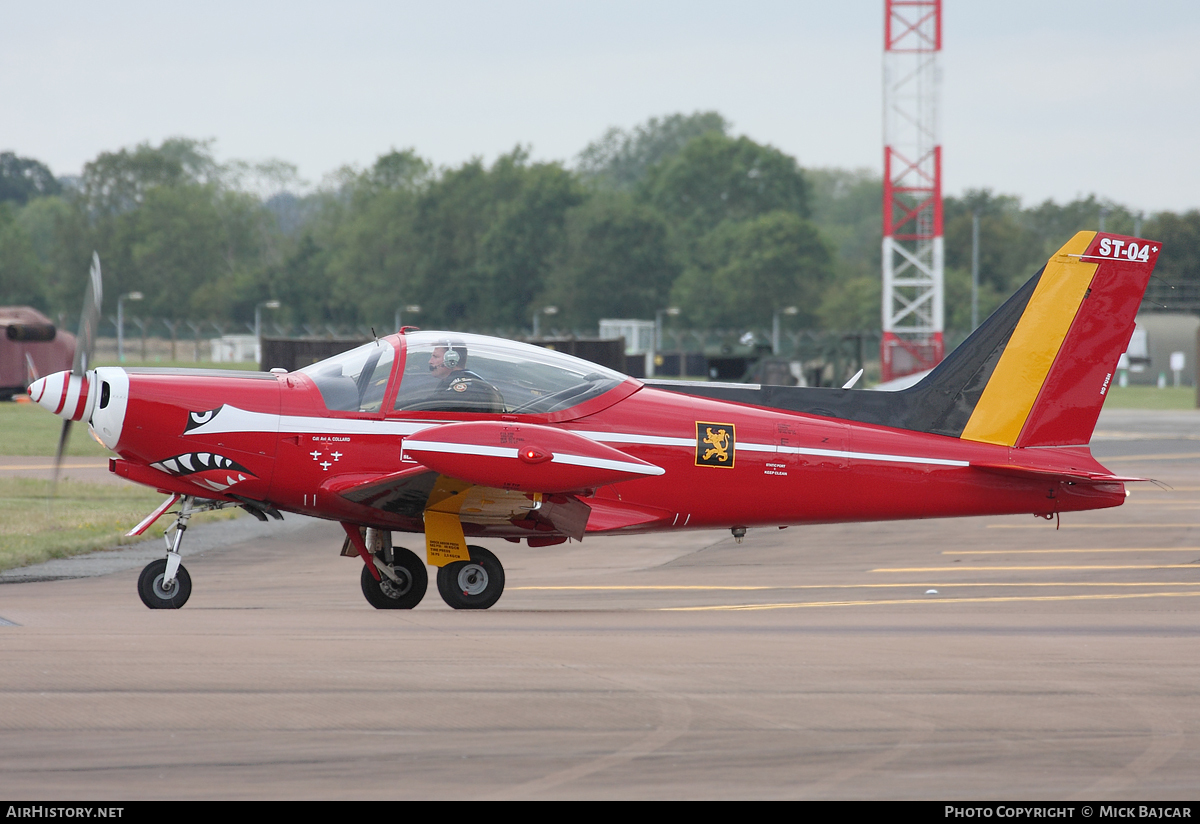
<point x="165" y="583"/>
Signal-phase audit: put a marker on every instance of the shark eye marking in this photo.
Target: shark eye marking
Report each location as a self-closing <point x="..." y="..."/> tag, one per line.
<point x="197" y="419"/>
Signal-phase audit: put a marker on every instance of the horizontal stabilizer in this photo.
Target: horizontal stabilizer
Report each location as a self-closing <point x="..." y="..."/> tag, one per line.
<point x="1068" y="476"/>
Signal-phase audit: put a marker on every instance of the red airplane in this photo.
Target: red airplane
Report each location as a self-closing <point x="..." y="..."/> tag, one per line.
<point x="461" y="436"/>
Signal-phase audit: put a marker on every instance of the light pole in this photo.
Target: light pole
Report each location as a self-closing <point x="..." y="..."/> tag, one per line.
<point x="545" y="310"/>
<point x="790" y="310"/>
<point x="412" y="309"/>
<point x="266" y="304"/>
<point x="974" y="271"/>
<point x="658" y="323"/>
<point x="121" y="321"/>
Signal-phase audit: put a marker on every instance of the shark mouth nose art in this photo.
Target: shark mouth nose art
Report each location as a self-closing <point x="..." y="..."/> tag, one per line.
<point x="206" y="468"/>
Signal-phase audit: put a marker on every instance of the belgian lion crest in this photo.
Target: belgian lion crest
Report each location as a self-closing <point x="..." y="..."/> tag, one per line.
<point x="714" y="444"/>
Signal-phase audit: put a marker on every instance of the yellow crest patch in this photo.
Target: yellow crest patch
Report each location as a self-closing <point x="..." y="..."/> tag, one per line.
<point x="715" y="444"/>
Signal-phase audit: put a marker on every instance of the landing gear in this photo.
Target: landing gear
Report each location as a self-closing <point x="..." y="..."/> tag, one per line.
<point x="165" y="584"/>
<point x="474" y="584"/>
<point x="160" y="593"/>
<point x="402" y="584"/>
<point x="392" y="576"/>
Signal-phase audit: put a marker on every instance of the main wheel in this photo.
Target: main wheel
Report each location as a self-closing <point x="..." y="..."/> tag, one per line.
<point x="474" y="584"/>
<point x="405" y="592"/>
<point x="158" y="596"/>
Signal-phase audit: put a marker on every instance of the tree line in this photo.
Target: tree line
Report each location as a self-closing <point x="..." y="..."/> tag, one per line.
<point x="675" y="212"/>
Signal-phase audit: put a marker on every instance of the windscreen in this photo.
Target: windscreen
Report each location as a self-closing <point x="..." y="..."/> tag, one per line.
<point x="470" y="373"/>
<point x="356" y="380"/>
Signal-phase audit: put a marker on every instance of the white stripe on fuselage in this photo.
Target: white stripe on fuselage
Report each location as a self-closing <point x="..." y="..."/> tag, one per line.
<point x="841" y="453"/>
<point x="511" y="452"/>
<point x="233" y="419"/>
<point x="654" y="440"/>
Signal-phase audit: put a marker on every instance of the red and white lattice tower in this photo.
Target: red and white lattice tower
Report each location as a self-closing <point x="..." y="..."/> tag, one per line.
<point x="912" y="189"/>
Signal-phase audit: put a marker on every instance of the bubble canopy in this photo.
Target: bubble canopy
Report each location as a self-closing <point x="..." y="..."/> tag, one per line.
<point x="481" y="375"/>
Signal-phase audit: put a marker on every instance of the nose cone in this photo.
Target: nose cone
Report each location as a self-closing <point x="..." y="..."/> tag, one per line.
<point x="45" y="391"/>
<point x="66" y="395"/>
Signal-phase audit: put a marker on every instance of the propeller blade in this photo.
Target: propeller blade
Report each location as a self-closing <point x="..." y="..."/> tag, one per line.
<point x="85" y="346"/>
<point x="58" y="456"/>
<point x="89" y="319"/>
<point x="31" y="371"/>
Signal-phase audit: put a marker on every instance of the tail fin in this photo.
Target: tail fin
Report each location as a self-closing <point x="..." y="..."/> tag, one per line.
<point x="1049" y="376"/>
<point x="1035" y="373"/>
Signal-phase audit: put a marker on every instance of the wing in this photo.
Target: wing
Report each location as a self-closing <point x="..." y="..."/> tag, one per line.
<point x="523" y="457"/>
<point x="509" y="480"/>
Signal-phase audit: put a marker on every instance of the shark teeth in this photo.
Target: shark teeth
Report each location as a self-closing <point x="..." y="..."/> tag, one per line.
<point x="189" y="463"/>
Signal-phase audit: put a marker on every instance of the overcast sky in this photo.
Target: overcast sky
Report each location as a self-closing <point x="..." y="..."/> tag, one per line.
<point x="1042" y="99"/>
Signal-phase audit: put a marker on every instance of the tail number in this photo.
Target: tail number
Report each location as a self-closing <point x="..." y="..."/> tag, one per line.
<point x="1113" y="248"/>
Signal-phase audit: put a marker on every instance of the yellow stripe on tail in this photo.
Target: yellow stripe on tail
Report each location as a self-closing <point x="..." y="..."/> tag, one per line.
<point x="1035" y="343"/>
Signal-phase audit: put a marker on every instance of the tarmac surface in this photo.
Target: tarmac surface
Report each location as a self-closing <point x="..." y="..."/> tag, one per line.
<point x="983" y="658"/>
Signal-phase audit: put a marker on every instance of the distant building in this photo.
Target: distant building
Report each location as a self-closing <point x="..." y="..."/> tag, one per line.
<point x="639" y="340"/>
<point x="235" y="349"/>
<point x="1157" y="337"/>
<point x="30" y="348"/>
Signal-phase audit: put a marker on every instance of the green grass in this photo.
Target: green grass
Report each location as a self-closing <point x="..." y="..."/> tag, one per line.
<point x="81" y="518"/>
<point x="1150" y="397"/>
<point x="27" y="430"/>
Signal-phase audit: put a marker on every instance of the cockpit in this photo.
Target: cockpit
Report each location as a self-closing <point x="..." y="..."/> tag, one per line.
<point x="454" y="373"/>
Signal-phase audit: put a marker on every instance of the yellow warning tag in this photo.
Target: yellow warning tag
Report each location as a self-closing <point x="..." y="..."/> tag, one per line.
<point x="444" y="540"/>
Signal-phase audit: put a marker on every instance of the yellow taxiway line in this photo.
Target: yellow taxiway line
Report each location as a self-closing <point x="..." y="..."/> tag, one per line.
<point x="1095" y="526"/>
<point x="932" y="600"/>
<point x="909" y="585"/>
<point x="1074" y="551"/>
<point x="1165" y="456"/>
<point x="1089" y="567"/>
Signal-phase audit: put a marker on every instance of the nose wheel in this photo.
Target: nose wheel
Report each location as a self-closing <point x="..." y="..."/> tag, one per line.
<point x="165" y="584"/>
<point x="159" y="592"/>
<point x="474" y="584"/>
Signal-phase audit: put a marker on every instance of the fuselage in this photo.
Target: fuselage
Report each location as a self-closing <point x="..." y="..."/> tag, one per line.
<point x="274" y="438"/>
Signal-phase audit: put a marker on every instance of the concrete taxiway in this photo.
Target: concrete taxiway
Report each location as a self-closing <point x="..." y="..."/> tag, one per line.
<point x="971" y="659"/>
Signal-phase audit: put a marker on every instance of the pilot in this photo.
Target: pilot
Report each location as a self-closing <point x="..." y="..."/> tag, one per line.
<point x="460" y="390"/>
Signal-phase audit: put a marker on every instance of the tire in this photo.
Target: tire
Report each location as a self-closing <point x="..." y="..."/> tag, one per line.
<point x="387" y="594"/>
<point x="474" y="584"/>
<point x="151" y="590"/>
